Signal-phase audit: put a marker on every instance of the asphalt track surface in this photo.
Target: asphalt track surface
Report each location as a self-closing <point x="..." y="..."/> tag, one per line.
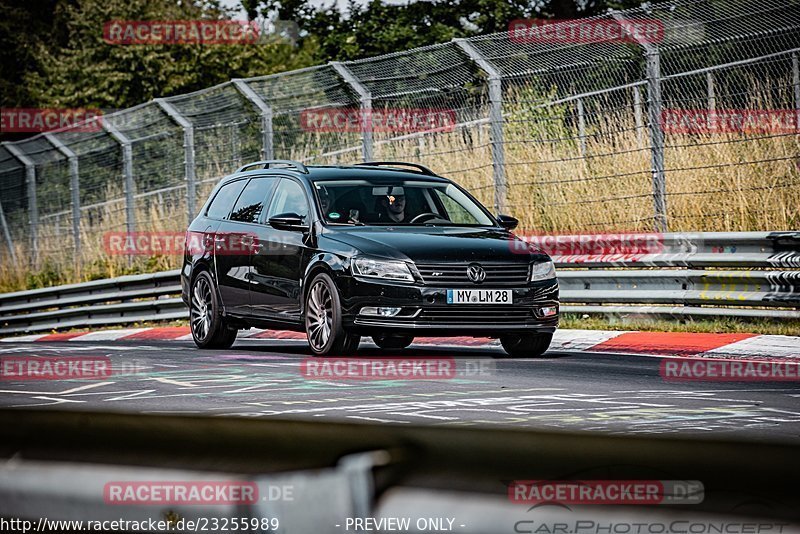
<point x="580" y="391"/>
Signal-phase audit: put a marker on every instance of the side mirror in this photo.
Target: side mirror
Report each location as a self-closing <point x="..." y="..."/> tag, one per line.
<point x="507" y="221"/>
<point x="288" y="221"/>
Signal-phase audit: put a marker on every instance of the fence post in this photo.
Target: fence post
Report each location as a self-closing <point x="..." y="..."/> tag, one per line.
<point x="188" y="148"/>
<point x="74" y="188"/>
<point x="653" y="63"/>
<point x="267" y="146"/>
<point x="495" y="122"/>
<point x="365" y="98"/>
<point x="7" y="234"/>
<point x="33" y="208"/>
<point x="796" y="84"/>
<point x="581" y="128"/>
<point x="637" y="116"/>
<point x="127" y="173"/>
<point x="711" y="90"/>
<point x="657" y="138"/>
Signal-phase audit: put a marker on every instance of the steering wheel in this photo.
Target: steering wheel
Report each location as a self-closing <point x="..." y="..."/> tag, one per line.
<point x="427" y="215"/>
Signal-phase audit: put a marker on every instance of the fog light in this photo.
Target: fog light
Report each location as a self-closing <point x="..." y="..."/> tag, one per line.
<point x="547" y="311"/>
<point x="376" y="311"/>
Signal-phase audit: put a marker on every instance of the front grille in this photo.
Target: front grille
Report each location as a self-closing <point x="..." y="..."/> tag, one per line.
<point x="479" y="315"/>
<point x="455" y="274"/>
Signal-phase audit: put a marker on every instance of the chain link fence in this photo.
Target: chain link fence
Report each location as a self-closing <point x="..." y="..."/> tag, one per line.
<point x="569" y="135"/>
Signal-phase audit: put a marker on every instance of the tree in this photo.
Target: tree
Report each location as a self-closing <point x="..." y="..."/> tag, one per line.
<point x="81" y="70"/>
<point x="379" y="28"/>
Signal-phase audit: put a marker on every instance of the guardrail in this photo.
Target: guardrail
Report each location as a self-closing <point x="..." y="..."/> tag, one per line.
<point x="339" y="470"/>
<point x="749" y="275"/>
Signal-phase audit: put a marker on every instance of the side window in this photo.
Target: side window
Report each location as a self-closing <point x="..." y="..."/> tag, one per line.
<point x="223" y="201"/>
<point x="289" y="198"/>
<point x="251" y="202"/>
<point x="455" y="211"/>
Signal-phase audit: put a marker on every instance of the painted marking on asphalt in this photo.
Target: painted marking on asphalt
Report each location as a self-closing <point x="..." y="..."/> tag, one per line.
<point x="108" y="335"/>
<point x="62" y="336"/>
<point x="173" y="382"/>
<point x="166" y="333"/>
<point x="66" y="392"/>
<point x="673" y="343"/>
<point x="767" y="346"/>
<point x="32" y="337"/>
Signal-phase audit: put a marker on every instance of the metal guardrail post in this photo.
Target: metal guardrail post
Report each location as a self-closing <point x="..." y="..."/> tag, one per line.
<point x="267" y="146"/>
<point x="7" y="234"/>
<point x="495" y="122"/>
<point x="74" y="188"/>
<point x="653" y="61"/>
<point x="33" y="208"/>
<point x="127" y="172"/>
<point x="365" y="98"/>
<point x="188" y="147"/>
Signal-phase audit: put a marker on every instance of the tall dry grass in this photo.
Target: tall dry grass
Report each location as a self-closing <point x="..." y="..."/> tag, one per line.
<point x="725" y="182"/>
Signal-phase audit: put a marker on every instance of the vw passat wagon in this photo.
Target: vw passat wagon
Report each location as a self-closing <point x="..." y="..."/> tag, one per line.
<point x="387" y="250"/>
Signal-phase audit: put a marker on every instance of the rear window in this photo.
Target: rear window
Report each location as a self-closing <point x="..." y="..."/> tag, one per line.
<point x="223" y="201"/>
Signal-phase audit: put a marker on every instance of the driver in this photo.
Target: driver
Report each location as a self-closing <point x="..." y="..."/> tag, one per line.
<point x="394" y="207"/>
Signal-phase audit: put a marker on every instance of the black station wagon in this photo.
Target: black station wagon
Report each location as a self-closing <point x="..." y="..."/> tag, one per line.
<point x="382" y="249"/>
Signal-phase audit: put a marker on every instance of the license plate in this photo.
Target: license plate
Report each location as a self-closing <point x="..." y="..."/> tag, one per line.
<point x="479" y="296"/>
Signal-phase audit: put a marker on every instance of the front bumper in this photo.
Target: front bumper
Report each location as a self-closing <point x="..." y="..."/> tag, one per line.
<point x="425" y="309"/>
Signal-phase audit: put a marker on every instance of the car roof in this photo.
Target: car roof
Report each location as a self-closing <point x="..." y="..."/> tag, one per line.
<point x="340" y="172"/>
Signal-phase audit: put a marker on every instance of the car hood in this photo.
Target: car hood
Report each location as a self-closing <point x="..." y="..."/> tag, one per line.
<point x="437" y="244"/>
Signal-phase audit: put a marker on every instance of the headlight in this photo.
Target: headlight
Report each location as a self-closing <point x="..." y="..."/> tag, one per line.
<point x="543" y="271"/>
<point x="383" y="269"/>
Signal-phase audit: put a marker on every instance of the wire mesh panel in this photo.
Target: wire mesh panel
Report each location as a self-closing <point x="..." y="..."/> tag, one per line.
<point x="54" y="231"/>
<point x="15" y="208"/>
<point x="692" y="125"/>
<point x="100" y="186"/>
<point x="425" y="104"/>
<point x="157" y="145"/>
<point x="305" y="106"/>
<point x="227" y="132"/>
<point x="732" y="152"/>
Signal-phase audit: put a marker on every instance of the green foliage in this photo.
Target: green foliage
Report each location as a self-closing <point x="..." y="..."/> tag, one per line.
<point x="382" y="28"/>
<point x="79" y="69"/>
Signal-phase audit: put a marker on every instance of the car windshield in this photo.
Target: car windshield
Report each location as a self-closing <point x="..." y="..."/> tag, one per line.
<point x="400" y="202"/>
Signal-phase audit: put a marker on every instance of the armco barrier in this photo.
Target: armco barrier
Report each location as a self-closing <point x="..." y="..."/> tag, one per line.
<point x="339" y="470"/>
<point x="749" y="275"/>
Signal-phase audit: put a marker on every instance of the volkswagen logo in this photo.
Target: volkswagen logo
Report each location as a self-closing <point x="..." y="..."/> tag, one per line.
<point x="476" y="273"/>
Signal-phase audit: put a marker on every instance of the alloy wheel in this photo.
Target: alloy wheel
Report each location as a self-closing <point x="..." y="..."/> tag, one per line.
<point x="319" y="315"/>
<point x="201" y="309"/>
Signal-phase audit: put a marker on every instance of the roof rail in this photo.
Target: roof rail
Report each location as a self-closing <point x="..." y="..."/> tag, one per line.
<point x="266" y="164"/>
<point x="421" y="168"/>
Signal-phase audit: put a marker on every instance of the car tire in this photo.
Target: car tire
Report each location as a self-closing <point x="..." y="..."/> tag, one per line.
<point x="208" y="326"/>
<point x="323" y="320"/>
<point x="527" y="345"/>
<point x="392" y="341"/>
